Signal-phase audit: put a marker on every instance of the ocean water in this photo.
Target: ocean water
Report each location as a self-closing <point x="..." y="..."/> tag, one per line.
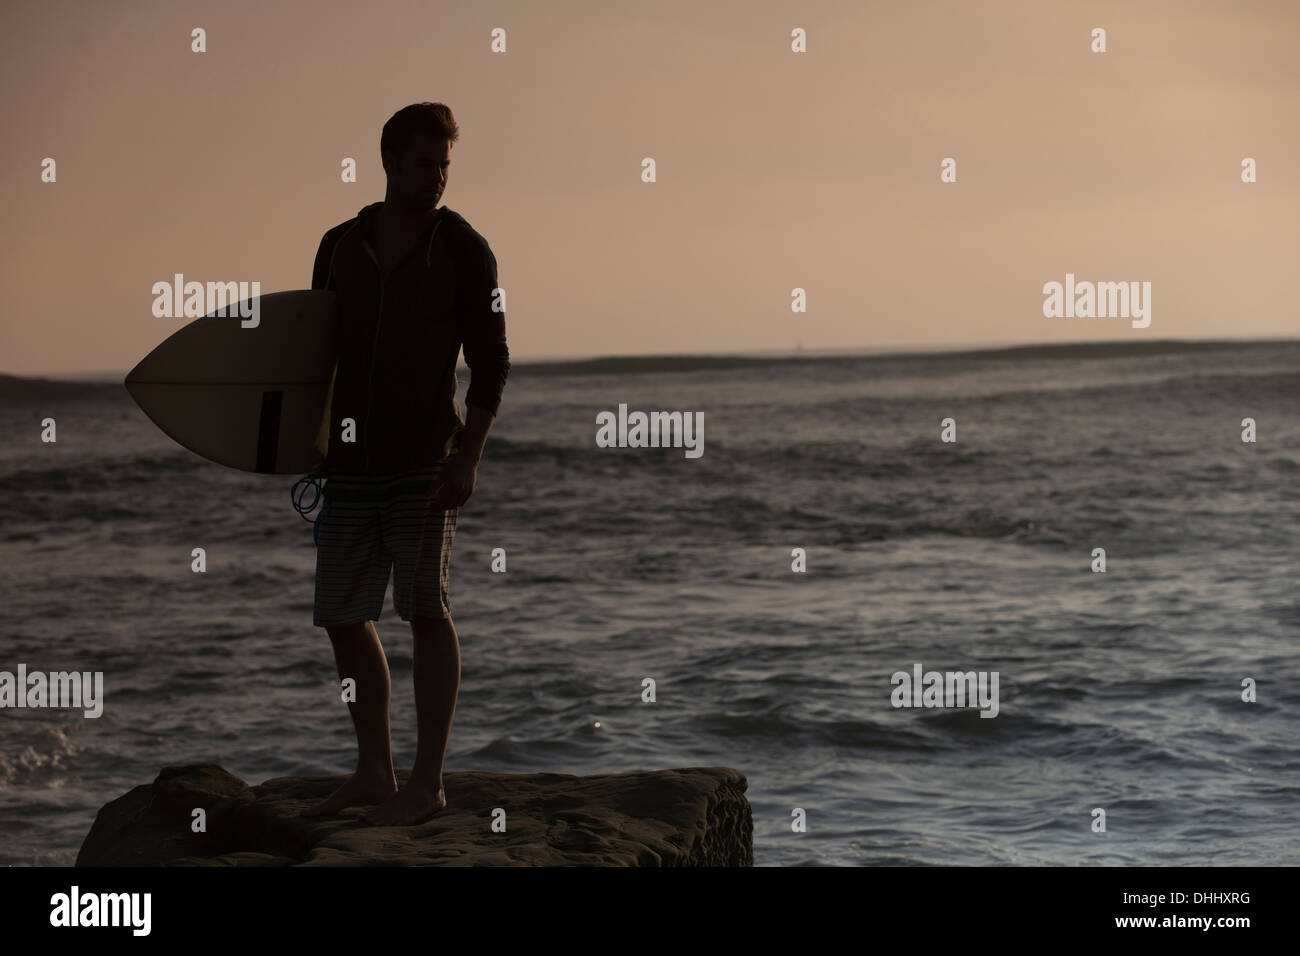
<point x="1119" y="691"/>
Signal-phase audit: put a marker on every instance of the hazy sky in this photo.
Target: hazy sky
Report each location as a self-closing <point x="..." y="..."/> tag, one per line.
<point x="776" y="170"/>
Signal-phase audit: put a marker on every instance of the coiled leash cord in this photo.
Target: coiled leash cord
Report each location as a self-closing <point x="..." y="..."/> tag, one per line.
<point x="310" y="481"/>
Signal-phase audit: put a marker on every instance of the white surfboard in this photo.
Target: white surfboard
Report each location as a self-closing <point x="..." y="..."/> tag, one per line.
<point x="254" y="398"/>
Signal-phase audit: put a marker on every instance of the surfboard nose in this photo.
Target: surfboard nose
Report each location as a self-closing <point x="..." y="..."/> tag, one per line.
<point x="253" y="397"/>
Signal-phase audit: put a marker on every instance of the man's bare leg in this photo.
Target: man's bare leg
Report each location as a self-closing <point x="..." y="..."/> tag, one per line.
<point x="359" y="655"/>
<point x="437" y="685"/>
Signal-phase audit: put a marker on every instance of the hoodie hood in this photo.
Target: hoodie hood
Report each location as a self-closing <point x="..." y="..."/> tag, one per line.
<point x="366" y="222"/>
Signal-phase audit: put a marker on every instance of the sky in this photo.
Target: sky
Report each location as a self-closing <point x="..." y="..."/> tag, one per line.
<point x="775" y="169"/>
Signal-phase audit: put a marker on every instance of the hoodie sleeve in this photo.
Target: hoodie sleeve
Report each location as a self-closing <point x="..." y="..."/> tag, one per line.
<point x="482" y="330"/>
<point x="321" y="277"/>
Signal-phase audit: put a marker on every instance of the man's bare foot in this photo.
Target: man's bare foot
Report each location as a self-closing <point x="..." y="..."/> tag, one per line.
<point x="411" y="805"/>
<point x="358" y="791"/>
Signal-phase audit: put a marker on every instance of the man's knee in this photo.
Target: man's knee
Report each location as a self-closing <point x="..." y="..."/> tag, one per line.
<point x="347" y="632"/>
<point x="421" y="624"/>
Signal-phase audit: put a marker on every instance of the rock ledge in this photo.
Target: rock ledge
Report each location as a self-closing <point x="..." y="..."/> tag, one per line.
<point x="695" y="816"/>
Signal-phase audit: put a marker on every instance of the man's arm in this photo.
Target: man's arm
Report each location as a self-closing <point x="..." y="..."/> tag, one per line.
<point x="478" y="422"/>
<point x="483" y="333"/>
<point x="320" y="272"/>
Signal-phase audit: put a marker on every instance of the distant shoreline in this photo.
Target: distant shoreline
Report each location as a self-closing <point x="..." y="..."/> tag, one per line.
<point x="685" y="363"/>
<point x="1070" y="350"/>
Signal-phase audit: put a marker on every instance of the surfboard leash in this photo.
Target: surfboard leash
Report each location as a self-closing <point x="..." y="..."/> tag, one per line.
<point x="296" y="496"/>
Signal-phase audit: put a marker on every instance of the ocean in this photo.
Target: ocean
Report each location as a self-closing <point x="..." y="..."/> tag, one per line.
<point x="1119" y="691"/>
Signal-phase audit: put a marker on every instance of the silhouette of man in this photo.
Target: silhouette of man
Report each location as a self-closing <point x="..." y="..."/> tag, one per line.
<point x="415" y="282"/>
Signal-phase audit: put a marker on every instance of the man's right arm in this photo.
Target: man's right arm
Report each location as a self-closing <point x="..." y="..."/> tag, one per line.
<point x="321" y="277"/>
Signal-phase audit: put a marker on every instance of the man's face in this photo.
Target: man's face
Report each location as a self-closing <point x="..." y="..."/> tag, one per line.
<point x="420" y="178"/>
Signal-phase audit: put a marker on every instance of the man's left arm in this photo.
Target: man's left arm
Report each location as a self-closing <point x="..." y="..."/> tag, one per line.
<point x="483" y="335"/>
<point x="478" y="422"/>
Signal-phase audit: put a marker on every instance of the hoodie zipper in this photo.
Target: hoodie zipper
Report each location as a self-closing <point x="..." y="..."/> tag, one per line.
<point x="374" y="345"/>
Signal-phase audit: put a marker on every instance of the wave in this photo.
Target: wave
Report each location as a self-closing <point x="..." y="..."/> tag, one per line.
<point x="140" y="469"/>
<point x="34" y="747"/>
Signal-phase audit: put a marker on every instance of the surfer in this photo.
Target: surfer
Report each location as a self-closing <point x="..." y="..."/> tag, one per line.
<point x="415" y="283"/>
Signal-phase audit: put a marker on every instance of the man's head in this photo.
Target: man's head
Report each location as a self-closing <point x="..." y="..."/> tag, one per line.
<point x="415" y="147"/>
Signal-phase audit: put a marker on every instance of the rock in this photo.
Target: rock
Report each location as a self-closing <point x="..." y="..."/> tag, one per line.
<point x="696" y="816"/>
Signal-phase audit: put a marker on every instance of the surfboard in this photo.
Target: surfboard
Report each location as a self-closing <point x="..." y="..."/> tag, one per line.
<point x="254" y="398"/>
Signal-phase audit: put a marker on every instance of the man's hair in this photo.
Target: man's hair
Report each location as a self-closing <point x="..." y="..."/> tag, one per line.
<point x="430" y="119"/>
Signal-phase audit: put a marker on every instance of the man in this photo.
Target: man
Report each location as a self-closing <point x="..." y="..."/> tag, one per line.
<point x="414" y="282"/>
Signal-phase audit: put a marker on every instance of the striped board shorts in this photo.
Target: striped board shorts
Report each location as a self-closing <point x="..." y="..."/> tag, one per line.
<point x="374" y="527"/>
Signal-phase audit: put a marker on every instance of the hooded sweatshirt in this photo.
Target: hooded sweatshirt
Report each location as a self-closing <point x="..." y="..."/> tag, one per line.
<point x="399" y="337"/>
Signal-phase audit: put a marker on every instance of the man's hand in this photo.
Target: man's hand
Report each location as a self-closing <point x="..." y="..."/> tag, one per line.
<point x="456" y="483"/>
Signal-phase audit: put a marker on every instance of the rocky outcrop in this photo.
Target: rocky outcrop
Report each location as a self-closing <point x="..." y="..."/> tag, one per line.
<point x="697" y="816"/>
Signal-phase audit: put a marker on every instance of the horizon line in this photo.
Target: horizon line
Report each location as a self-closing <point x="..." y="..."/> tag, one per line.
<point x="848" y="351"/>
